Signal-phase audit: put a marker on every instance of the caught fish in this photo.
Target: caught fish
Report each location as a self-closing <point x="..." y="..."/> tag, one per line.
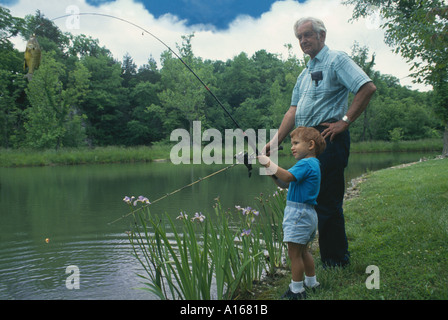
<point x="32" y="57"/>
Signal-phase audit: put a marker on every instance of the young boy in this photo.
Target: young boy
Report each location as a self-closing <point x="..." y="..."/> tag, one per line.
<point x="300" y="219"/>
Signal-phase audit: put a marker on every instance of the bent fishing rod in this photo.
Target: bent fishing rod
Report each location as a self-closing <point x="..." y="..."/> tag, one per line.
<point x="177" y="56"/>
<point x="248" y="165"/>
<point x="245" y="157"/>
<point x="178" y="190"/>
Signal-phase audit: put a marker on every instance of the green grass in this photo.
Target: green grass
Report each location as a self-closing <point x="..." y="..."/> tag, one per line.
<point x="116" y="154"/>
<point x="99" y="155"/>
<point x="399" y="223"/>
<point x="399" y="146"/>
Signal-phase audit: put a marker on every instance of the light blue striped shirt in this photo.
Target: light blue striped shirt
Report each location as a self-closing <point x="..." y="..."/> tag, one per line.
<point x="326" y="100"/>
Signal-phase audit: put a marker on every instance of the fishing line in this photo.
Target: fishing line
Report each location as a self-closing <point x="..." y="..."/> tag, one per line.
<point x="174" y="192"/>
<point x="252" y="145"/>
<point x="246" y="156"/>
<point x="160" y="40"/>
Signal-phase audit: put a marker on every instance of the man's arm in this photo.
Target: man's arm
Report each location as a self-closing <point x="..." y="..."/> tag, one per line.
<point x="359" y="105"/>
<point x="286" y="127"/>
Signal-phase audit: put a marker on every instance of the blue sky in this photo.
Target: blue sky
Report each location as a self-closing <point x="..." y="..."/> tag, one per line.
<point x="218" y="13"/>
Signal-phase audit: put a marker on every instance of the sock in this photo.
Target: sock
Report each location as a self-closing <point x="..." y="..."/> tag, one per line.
<point x="296" y="286"/>
<point x="310" y="281"/>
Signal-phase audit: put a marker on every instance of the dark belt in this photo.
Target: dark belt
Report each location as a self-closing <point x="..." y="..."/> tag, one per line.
<point x="320" y="128"/>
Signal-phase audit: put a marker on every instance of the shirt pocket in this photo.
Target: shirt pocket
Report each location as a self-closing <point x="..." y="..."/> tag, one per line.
<point x="317" y="78"/>
<point x="318" y="84"/>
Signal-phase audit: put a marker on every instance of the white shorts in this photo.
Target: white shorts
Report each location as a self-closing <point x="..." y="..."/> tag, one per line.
<point x="299" y="223"/>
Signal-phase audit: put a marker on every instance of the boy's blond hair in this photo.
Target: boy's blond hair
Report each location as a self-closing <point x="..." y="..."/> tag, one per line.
<point x="308" y="134"/>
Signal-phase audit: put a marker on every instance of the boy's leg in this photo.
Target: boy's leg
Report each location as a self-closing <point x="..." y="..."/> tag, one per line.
<point x="310" y="271"/>
<point x="301" y="261"/>
<point x="308" y="262"/>
<point x="296" y="289"/>
<point x="295" y="253"/>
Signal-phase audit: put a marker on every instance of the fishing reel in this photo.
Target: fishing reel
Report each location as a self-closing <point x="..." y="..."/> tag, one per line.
<point x="243" y="157"/>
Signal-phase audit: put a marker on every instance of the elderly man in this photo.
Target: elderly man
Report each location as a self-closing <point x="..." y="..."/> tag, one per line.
<point x="320" y="100"/>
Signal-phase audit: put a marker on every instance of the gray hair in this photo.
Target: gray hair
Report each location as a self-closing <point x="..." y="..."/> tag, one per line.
<point x="318" y="25"/>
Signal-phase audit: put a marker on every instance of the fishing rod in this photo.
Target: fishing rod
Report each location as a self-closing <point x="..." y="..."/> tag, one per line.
<point x="174" y="192"/>
<point x="254" y="147"/>
<point x="245" y="157"/>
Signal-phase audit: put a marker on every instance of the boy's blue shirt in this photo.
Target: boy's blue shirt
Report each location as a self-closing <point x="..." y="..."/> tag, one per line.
<point x="307" y="185"/>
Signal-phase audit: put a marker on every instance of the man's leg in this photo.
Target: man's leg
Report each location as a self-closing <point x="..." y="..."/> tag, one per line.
<point x="332" y="237"/>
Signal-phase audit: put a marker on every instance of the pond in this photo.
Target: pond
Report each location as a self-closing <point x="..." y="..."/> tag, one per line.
<point x="55" y="217"/>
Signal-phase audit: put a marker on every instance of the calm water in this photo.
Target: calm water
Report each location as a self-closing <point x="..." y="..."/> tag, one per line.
<point x="72" y="207"/>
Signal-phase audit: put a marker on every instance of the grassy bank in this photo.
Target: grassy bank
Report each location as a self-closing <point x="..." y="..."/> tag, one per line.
<point x="29" y="157"/>
<point x="399" y="146"/>
<point x="399" y="223"/>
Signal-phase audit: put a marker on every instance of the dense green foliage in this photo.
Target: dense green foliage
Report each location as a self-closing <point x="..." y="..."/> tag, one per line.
<point x="422" y="42"/>
<point x="82" y="96"/>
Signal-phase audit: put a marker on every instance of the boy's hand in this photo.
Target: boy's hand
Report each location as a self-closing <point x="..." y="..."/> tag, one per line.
<point x="264" y="160"/>
<point x="271" y="167"/>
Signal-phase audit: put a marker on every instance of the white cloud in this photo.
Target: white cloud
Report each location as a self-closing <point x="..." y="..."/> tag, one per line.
<point x="271" y="31"/>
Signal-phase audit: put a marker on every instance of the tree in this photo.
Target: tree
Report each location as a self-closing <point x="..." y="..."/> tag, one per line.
<point x="106" y="104"/>
<point x="146" y="124"/>
<point x="9" y="26"/>
<point x="423" y="41"/>
<point x="238" y="81"/>
<point x="12" y="83"/>
<point x="11" y="88"/>
<point x="183" y="98"/>
<point x="129" y="70"/>
<point x="73" y="97"/>
<point x="148" y="72"/>
<point x="360" y="55"/>
<point x="44" y="127"/>
<point x="82" y="46"/>
<point x="53" y="116"/>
